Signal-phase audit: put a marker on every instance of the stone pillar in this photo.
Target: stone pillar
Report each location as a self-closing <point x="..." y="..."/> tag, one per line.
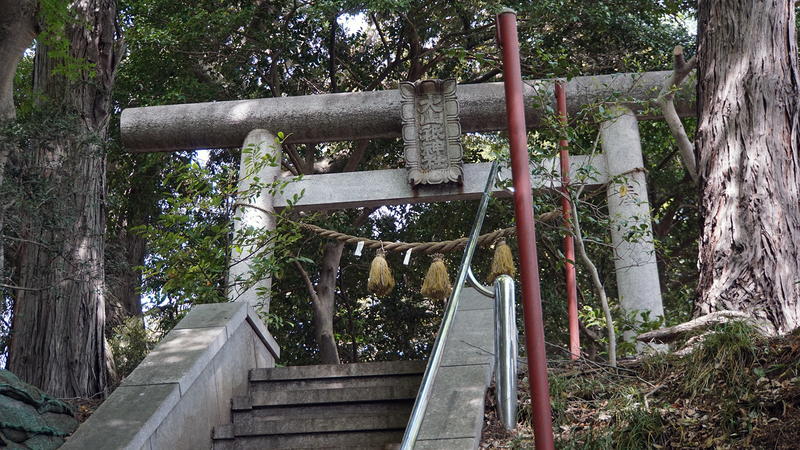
<point x="259" y="215"/>
<point x="629" y="210"/>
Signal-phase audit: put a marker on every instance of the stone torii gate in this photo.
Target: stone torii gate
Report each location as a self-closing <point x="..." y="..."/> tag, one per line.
<point x="185" y="385"/>
<point x="377" y="115"/>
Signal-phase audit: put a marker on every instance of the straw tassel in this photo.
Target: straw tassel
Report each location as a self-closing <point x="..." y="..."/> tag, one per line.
<point x="380" y="280"/>
<point x="437" y="283"/>
<point x="502" y="262"/>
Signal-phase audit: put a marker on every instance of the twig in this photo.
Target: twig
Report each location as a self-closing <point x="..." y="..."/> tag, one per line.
<point x="612" y="336"/>
<point x="646" y="404"/>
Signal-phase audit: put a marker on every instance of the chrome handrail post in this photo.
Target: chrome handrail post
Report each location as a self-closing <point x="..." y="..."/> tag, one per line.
<point x="505" y="351"/>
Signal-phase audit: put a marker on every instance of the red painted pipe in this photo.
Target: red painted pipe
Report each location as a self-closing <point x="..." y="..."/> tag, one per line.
<point x="569" y="242"/>
<point x="526" y="232"/>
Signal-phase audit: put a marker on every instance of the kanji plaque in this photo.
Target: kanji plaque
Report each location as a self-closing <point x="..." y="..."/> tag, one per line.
<point x="431" y="132"/>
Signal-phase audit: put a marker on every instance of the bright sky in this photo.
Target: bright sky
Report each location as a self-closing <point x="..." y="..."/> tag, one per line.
<point x="352" y="23"/>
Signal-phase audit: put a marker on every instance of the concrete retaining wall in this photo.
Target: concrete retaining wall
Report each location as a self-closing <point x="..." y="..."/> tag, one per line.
<point x="184" y="386"/>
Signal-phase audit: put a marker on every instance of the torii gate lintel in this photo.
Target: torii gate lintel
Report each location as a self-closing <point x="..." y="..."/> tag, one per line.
<point x="377" y="115"/>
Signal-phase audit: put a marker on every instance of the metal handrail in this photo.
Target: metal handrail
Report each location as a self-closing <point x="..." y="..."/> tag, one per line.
<point x="505" y="351"/>
<point x="421" y="404"/>
<point x="485" y="290"/>
<point x="506" y="345"/>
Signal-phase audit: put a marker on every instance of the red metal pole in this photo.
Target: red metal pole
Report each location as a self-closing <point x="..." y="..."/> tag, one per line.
<point x="569" y="243"/>
<point x="526" y="232"/>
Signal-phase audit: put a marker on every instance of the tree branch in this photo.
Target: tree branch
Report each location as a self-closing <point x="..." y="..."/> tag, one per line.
<point x="612" y="337"/>
<point x="294" y="157"/>
<point x="398" y="59"/>
<point x="332" y="53"/>
<point x="665" y="101"/>
<point x="312" y="290"/>
<point x="356" y="156"/>
<point x="678" y="332"/>
<point x="485" y="77"/>
<point x="352" y="73"/>
<point x="309" y="164"/>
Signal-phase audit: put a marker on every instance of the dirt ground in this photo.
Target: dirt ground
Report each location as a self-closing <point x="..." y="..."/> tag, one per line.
<point x="744" y="394"/>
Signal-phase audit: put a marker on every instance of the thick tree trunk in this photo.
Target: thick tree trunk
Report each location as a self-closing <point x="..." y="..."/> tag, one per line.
<point x="123" y="280"/>
<point x="18" y="29"/>
<point x="128" y="249"/>
<point x="58" y="339"/>
<point x="747" y="153"/>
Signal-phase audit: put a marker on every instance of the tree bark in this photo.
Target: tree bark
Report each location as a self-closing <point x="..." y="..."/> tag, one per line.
<point x="680" y="332"/>
<point x="18" y="29"/>
<point x="323" y="307"/>
<point x="747" y="154"/>
<point x="666" y="101"/>
<point x="322" y="300"/>
<point x="58" y="337"/>
<point x="123" y="281"/>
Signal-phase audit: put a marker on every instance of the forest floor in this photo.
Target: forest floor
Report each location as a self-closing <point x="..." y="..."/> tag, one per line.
<point x="735" y="390"/>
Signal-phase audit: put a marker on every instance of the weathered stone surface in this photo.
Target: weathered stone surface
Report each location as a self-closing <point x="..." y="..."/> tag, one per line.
<point x="353" y="406"/>
<point x="312" y="396"/>
<point x="179" y="358"/>
<point x="454" y="416"/>
<point x="354" y="440"/>
<point x="370" y="115"/>
<point x="431" y="132"/>
<point x="638" y="286"/>
<point x="184" y="387"/>
<point x="213" y="315"/>
<point x="337" y="371"/>
<point x="359" y="382"/>
<point x="446" y="444"/>
<point x="456" y="408"/>
<point x="124" y="415"/>
<point x="389" y="187"/>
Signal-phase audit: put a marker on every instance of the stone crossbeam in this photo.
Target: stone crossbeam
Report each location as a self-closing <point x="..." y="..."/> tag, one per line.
<point x="373" y="115"/>
<point x="390" y="187"/>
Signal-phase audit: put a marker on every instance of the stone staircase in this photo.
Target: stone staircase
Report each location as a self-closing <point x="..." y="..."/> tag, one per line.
<point x="350" y="406"/>
<point x="367" y="406"/>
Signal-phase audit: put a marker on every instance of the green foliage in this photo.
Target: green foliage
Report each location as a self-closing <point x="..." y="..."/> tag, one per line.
<point x="726" y="356"/>
<point x="623" y="422"/>
<point x="59" y="21"/>
<point x="195" y="230"/>
<point x="643" y="429"/>
<point x="23" y="87"/>
<point x="130" y="342"/>
<point x="192" y="241"/>
<point x="248" y="49"/>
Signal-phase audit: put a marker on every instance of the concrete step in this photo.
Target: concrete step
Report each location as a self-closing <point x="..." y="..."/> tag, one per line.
<point x="323" y="396"/>
<point x="366" y="406"/>
<point x="350" y="406"/>
<point x="354" y="410"/>
<point x="362" y="382"/>
<point x="358" y="440"/>
<point x="327" y="424"/>
<point x="339" y="370"/>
